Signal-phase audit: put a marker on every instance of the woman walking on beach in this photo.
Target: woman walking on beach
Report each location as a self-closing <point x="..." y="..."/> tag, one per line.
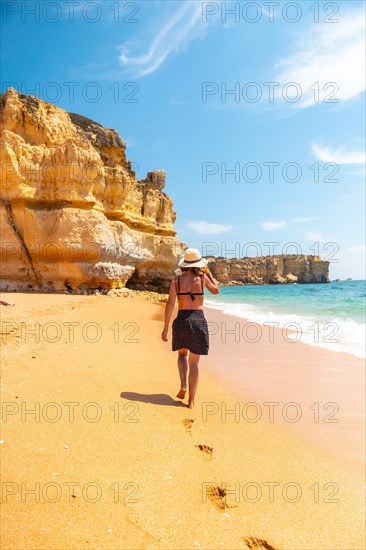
<point x="190" y="330"/>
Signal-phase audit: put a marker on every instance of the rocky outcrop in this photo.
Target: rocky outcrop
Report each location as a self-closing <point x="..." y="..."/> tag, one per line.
<point x="73" y="215"/>
<point x="280" y="269"/>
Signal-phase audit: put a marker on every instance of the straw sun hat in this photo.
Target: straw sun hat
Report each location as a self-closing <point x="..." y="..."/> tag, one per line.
<point x="192" y="258"/>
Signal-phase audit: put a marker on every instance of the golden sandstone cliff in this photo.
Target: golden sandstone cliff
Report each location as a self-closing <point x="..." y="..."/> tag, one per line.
<point x="74" y="217"/>
<point x="280" y="269"/>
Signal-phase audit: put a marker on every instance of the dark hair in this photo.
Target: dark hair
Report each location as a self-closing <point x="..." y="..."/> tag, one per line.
<point x="196" y="270"/>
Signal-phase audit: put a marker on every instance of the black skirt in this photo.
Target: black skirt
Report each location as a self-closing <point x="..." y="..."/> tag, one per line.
<point x="190" y="331"/>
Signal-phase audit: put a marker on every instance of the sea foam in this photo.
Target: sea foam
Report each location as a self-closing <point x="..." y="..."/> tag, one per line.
<point x="339" y="335"/>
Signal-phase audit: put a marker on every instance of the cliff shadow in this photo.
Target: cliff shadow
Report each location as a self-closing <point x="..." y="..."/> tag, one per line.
<point x="154" y="398"/>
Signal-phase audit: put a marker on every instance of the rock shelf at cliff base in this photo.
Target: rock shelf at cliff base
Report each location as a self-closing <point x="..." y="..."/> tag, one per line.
<point x="74" y="217"/>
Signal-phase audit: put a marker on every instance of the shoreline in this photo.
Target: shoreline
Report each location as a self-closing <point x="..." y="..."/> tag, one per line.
<point x="326" y="387"/>
<point x="161" y="455"/>
<point x="337" y="331"/>
<point x="288" y="333"/>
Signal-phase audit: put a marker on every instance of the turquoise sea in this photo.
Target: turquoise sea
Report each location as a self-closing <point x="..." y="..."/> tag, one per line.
<point x="330" y="315"/>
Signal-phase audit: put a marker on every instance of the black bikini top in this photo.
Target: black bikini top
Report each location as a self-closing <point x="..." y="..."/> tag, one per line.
<point x="192" y="294"/>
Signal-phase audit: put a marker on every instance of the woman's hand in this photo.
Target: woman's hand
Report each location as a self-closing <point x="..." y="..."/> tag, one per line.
<point x="208" y="273"/>
<point x="6" y="303"/>
<point x="164" y="335"/>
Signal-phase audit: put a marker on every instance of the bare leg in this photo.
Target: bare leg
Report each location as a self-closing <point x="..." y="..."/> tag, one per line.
<point x="183" y="370"/>
<point x="193" y="378"/>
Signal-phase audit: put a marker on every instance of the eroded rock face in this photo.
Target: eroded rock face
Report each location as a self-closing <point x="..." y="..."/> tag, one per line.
<point x="72" y="213"/>
<point x="280" y="269"/>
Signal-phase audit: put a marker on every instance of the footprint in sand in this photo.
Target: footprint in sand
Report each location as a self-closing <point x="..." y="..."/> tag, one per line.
<point x="257" y="544"/>
<point x="206" y="450"/>
<point x="218" y="497"/>
<point x="187" y="423"/>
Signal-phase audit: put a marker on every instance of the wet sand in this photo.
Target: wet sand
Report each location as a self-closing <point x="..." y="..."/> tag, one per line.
<point x="312" y="391"/>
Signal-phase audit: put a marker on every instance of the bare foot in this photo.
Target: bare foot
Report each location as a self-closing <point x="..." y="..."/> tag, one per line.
<point x="190" y="404"/>
<point x="181" y="394"/>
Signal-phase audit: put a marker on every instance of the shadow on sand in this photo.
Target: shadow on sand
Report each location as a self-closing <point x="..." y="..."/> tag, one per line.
<point x="155" y="398"/>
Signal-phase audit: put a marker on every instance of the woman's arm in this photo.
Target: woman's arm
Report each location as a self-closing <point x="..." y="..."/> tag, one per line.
<point x="169" y="309"/>
<point x="211" y="283"/>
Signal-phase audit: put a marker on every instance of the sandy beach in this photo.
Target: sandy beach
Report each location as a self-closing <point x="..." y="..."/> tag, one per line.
<point x="98" y="453"/>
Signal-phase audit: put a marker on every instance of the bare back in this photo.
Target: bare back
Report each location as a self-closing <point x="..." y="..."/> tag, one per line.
<point x="191" y="284"/>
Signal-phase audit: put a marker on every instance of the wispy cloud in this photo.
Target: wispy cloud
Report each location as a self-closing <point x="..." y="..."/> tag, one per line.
<point x="302" y="220"/>
<point x="178" y="31"/>
<point x="339" y="156"/>
<point x="315" y="236"/>
<point x="327" y="53"/>
<point x="206" y="228"/>
<point x="272" y="226"/>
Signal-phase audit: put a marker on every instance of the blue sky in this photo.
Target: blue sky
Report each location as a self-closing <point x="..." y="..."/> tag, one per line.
<point x="255" y="110"/>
